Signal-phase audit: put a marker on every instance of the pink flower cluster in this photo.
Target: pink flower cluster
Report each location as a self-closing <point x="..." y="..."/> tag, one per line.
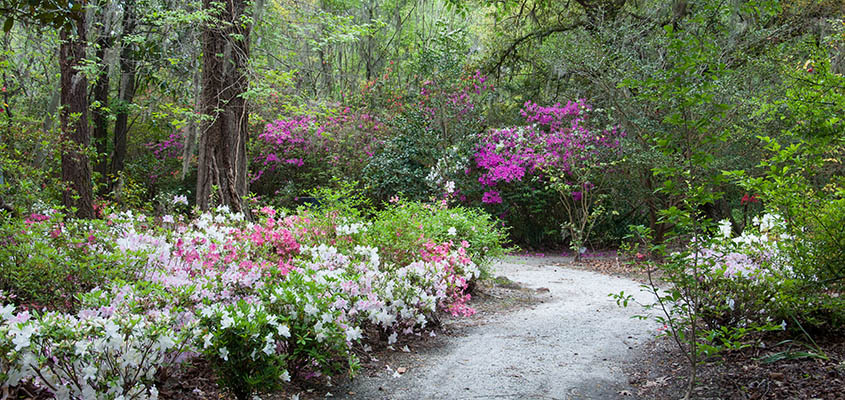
<point x="347" y="138"/>
<point x="556" y="138"/>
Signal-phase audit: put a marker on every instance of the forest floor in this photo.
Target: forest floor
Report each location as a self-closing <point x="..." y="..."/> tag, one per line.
<point x="545" y="328"/>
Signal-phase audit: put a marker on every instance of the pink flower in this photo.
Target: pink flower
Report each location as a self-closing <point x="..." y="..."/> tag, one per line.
<point x="491" y="197"/>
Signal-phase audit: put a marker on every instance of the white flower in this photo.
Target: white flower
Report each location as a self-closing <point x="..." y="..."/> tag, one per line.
<point x="450" y="187"/>
<point x="180" y="199"/>
<point x="353" y="333"/>
<point x="285" y="376"/>
<point x="284" y="331"/>
<point x="165" y="342"/>
<point x="269" y="345"/>
<point x="725" y="228"/>
<point x="226" y="321"/>
<point x="7" y="310"/>
<point x="310" y="309"/>
<point x="392" y="338"/>
<point x="224" y="353"/>
<point x="89" y="373"/>
<point x="80" y="347"/>
<point x="206" y="341"/>
<point x="452" y="231"/>
<point x="111" y="330"/>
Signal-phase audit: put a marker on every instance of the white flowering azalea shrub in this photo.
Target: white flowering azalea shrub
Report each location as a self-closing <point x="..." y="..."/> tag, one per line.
<point x="284" y="297"/>
<point x="90" y="355"/>
<point x="743" y="275"/>
<point x="241" y="341"/>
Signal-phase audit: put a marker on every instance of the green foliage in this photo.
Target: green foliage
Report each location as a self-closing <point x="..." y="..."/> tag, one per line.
<point x="402" y="165"/>
<point x="47" y="260"/>
<point x="240" y="341"/>
<point x="405" y="227"/>
<point x="801" y="178"/>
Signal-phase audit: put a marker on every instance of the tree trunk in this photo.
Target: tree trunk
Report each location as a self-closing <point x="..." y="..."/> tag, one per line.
<point x="128" y="68"/>
<point x="222" y="151"/>
<point x="75" y="137"/>
<point x="190" y="144"/>
<point x="99" y="113"/>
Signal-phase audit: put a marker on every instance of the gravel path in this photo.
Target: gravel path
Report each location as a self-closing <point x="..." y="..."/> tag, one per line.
<point x="573" y="345"/>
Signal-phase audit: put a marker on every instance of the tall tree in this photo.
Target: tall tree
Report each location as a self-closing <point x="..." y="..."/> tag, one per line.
<point x="99" y="110"/>
<point x="222" y="151"/>
<point x="69" y="18"/>
<point x="126" y="91"/>
<point x="75" y="138"/>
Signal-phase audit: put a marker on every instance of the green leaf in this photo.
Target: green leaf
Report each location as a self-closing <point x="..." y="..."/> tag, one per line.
<point x="7" y="26"/>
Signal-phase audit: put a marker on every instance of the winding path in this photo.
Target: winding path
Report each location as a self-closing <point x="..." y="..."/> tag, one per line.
<point x="571" y="346"/>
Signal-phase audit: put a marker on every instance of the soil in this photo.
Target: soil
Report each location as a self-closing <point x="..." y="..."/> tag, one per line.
<point x="661" y="371"/>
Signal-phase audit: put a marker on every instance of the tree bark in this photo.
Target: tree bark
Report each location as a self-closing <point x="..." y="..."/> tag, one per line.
<point x="99" y="113"/>
<point x="75" y="137"/>
<point x="222" y="163"/>
<point x="190" y="143"/>
<point x="128" y="69"/>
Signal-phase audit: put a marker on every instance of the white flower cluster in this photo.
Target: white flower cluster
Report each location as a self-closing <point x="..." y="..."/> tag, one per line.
<point x="241" y="317"/>
<point x="351" y="229"/>
<point x="744" y="256"/>
<point x="88" y="356"/>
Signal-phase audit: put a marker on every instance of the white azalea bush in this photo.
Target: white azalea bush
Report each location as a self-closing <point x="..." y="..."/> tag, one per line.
<point x="288" y="296"/>
<point x="91" y="355"/>
<point x="242" y="341"/>
<point x="726" y="290"/>
<point x="743" y="275"/>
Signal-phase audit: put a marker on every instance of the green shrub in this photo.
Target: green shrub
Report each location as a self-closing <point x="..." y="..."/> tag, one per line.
<point x="47" y="260"/>
<point x="405" y="227"/>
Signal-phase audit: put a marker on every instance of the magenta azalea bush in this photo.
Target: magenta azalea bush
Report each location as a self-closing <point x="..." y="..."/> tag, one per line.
<point x="561" y="146"/>
<point x="296" y="154"/>
<point x="290" y="295"/>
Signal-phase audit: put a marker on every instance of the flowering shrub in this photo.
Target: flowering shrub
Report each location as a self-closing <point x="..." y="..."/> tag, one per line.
<point x="742" y="274"/>
<point x="431" y="138"/>
<point x="727" y="289"/>
<point x="299" y="153"/>
<point x="95" y="354"/>
<point x="286" y="296"/>
<point x="241" y="340"/>
<point x="560" y="144"/>
<point x="47" y="259"/>
<point x="403" y="229"/>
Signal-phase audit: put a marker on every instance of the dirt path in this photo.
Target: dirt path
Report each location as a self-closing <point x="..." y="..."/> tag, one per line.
<point x="573" y="345"/>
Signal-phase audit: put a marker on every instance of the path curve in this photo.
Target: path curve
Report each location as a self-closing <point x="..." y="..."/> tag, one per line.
<point x="571" y="346"/>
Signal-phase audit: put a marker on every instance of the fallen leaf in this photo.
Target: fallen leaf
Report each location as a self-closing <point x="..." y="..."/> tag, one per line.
<point x="657" y="382"/>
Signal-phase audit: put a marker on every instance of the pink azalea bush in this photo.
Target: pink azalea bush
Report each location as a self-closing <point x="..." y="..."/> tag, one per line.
<point x="288" y="295"/>
<point x="560" y="146"/>
<point x="303" y="152"/>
